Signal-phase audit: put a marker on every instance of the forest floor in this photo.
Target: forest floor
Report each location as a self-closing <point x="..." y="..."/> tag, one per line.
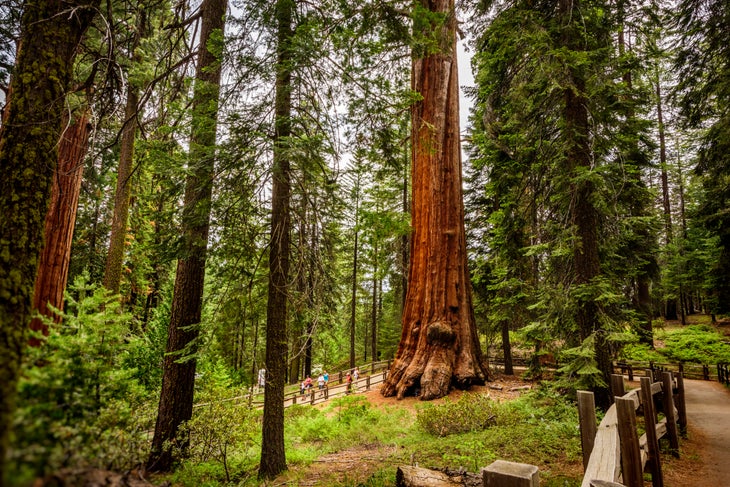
<point x="356" y="465"/>
<point x="701" y="463"/>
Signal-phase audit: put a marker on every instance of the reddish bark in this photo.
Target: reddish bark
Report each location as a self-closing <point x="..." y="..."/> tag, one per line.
<point x="50" y="282"/>
<point x="439" y="346"/>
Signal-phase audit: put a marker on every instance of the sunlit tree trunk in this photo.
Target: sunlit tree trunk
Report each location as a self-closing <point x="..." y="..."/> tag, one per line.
<point x="374" y="308"/>
<point x="439" y="347"/>
<point x="176" y="397"/>
<point x="273" y="455"/>
<point x="50" y="283"/>
<point x="50" y="32"/>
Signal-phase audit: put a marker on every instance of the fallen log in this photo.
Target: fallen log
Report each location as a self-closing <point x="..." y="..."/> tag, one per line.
<point x="408" y="476"/>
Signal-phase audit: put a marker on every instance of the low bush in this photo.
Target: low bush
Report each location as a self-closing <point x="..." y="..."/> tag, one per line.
<point x="697" y="344"/>
<point x="471" y="412"/>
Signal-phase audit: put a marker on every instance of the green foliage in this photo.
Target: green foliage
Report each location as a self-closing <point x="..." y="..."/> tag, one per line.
<point x="697" y="344"/>
<point x="641" y="352"/>
<point x="428" y="31"/>
<point x="221" y="431"/>
<point x="581" y="368"/>
<point x="471" y="412"/>
<point x="78" y="401"/>
<point x="537" y="428"/>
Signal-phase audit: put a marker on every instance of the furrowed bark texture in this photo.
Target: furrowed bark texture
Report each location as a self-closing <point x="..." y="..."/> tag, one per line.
<point x="273" y="456"/>
<point x="50" y="283"/>
<point x="178" y="379"/>
<point x="439" y="346"/>
<point x="50" y="33"/>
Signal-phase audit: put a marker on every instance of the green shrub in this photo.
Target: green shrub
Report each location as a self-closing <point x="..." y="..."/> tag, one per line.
<point x="221" y="430"/>
<point x="697" y="344"/>
<point x="77" y="402"/>
<point x="471" y="412"/>
<point x="641" y="352"/>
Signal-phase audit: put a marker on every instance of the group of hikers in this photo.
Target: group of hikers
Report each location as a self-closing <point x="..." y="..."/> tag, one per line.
<point x="323" y="382"/>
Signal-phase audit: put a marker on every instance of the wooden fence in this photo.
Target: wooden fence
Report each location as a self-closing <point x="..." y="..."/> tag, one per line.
<point x="689" y="371"/>
<point x="374" y="374"/>
<point x="371" y="374"/>
<point x="614" y="452"/>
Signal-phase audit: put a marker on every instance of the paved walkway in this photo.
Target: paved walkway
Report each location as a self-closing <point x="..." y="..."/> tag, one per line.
<point x="708" y="411"/>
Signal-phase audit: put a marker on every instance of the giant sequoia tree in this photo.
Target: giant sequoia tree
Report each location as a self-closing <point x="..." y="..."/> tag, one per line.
<point x="50" y="33"/>
<point x="439" y="346"/>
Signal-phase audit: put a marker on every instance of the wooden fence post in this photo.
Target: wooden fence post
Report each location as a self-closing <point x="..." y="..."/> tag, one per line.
<point x="681" y="406"/>
<point x="668" y="401"/>
<point x="705" y="372"/>
<point x="630" y="454"/>
<point x="588" y="427"/>
<point x="367" y="383"/>
<point x="631" y="373"/>
<point x="617" y="385"/>
<point x="652" y="442"/>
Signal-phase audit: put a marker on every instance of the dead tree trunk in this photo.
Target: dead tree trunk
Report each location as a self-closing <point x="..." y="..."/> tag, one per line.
<point x="439" y="346"/>
<point x="50" y="282"/>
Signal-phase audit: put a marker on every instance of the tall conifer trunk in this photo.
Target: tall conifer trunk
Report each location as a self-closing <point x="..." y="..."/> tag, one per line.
<point x="123" y="191"/>
<point x="583" y="214"/>
<point x="50" y="283"/>
<point x="670" y="306"/>
<point x="353" y="293"/>
<point x="50" y="32"/>
<point x="176" y="397"/>
<point x="273" y="456"/>
<point x="439" y="347"/>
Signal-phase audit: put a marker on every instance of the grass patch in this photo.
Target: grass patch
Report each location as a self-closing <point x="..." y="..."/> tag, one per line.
<point x="350" y="442"/>
<point x="699" y="344"/>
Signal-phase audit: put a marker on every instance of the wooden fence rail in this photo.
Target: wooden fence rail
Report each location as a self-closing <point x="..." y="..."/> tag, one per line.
<point x="372" y="374"/>
<point x="613" y="452"/>
<point x="689" y="371"/>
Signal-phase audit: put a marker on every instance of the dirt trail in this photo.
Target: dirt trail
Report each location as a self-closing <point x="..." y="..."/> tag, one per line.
<point x="708" y="414"/>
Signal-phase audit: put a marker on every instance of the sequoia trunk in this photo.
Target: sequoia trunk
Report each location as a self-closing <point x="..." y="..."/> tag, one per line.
<point x="439" y="346"/>
<point x="52" y="277"/>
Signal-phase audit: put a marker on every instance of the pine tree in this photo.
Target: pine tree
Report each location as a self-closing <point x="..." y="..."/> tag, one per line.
<point x="176" y="397"/>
